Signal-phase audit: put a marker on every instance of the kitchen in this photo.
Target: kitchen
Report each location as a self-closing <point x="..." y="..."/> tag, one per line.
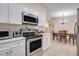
<point x="21" y="30"/>
<point x="27" y="29"/>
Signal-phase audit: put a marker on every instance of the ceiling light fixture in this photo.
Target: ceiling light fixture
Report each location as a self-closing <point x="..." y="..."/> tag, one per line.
<point x="63" y="20"/>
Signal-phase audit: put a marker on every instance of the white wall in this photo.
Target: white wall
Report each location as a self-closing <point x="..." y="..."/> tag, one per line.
<point x="69" y="26"/>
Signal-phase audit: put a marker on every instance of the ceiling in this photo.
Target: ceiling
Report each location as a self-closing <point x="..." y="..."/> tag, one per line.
<point x="58" y="9"/>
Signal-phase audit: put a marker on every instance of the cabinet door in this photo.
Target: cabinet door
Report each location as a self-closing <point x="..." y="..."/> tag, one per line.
<point x="4" y="49"/>
<point x="3" y="12"/>
<point x="4" y="53"/>
<point x="41" y="21"/>
<point x="17" y="48"/>
<point x="46" y="41"/>
<point x="15" y="13"/>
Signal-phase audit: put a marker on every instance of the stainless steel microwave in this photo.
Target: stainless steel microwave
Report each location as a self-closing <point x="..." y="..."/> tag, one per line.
<point x="28" y="18"/>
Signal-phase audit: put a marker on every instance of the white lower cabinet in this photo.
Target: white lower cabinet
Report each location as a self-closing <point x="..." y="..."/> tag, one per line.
<point x="14" y="48"/>
<point x="4" y="49"/>
<point x="4" y="53"/>
<point x="46" y="41"/>
<point x="17" y="49"/>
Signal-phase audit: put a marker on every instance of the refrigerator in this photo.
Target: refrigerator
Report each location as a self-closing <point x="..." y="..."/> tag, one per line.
<point x="76" y="31"/>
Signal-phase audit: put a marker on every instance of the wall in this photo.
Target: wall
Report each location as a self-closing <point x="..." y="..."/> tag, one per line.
<point x="67" y="26"/>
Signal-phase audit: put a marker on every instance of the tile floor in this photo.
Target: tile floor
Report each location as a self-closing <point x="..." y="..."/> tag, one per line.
<point x="61" y="49"/>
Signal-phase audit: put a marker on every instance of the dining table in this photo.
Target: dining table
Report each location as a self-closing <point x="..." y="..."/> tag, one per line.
<point x="70" y="36"/>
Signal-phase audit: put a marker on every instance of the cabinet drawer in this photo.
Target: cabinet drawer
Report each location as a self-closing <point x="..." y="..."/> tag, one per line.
<point x="16" y="43"/>
<point x="4" y="47"/>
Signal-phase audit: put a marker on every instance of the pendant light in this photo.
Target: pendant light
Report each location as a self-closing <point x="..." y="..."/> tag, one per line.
<point x="63" y="21"/>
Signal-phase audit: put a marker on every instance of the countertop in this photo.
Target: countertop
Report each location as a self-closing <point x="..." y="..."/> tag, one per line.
<point x="11" y="40"/>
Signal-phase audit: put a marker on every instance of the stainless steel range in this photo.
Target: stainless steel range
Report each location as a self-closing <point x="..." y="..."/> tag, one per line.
<point x="33" y="44"/>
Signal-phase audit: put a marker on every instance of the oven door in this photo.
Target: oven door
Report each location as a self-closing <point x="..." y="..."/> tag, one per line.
<point x="34" y="45"/>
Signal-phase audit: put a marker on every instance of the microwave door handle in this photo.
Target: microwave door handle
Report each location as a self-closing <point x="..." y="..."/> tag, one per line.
<point x="75" y="30"/>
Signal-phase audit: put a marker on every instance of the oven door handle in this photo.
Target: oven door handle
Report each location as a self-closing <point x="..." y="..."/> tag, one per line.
<point x="33" y="39"/>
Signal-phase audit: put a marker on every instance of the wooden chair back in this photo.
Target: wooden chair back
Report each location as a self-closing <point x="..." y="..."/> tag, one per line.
<point x="62" y="33"/>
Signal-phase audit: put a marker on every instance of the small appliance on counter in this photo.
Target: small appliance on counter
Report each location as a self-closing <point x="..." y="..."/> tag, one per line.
<point x="6" y="34"/>
<point x="17" y="34"/>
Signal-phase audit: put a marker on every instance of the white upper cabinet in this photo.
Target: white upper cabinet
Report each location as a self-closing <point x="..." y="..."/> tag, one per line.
<point x="15" y="13"/>
<point x="3" y="12"/>
<point x="12" y="13"/>
<point x="41" y="19"/>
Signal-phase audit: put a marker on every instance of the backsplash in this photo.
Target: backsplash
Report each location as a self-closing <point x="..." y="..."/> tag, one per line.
<point x="13" y="27"/>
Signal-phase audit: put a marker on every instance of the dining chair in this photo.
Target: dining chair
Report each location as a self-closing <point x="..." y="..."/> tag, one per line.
<point x="55" y="35"/>
<point x="63" y="36"/>
<point x="71" y="37"/>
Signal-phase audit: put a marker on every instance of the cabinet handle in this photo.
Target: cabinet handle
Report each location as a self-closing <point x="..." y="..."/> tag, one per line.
<point x="7" y="53"/>
<point x="11" y="51"/>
